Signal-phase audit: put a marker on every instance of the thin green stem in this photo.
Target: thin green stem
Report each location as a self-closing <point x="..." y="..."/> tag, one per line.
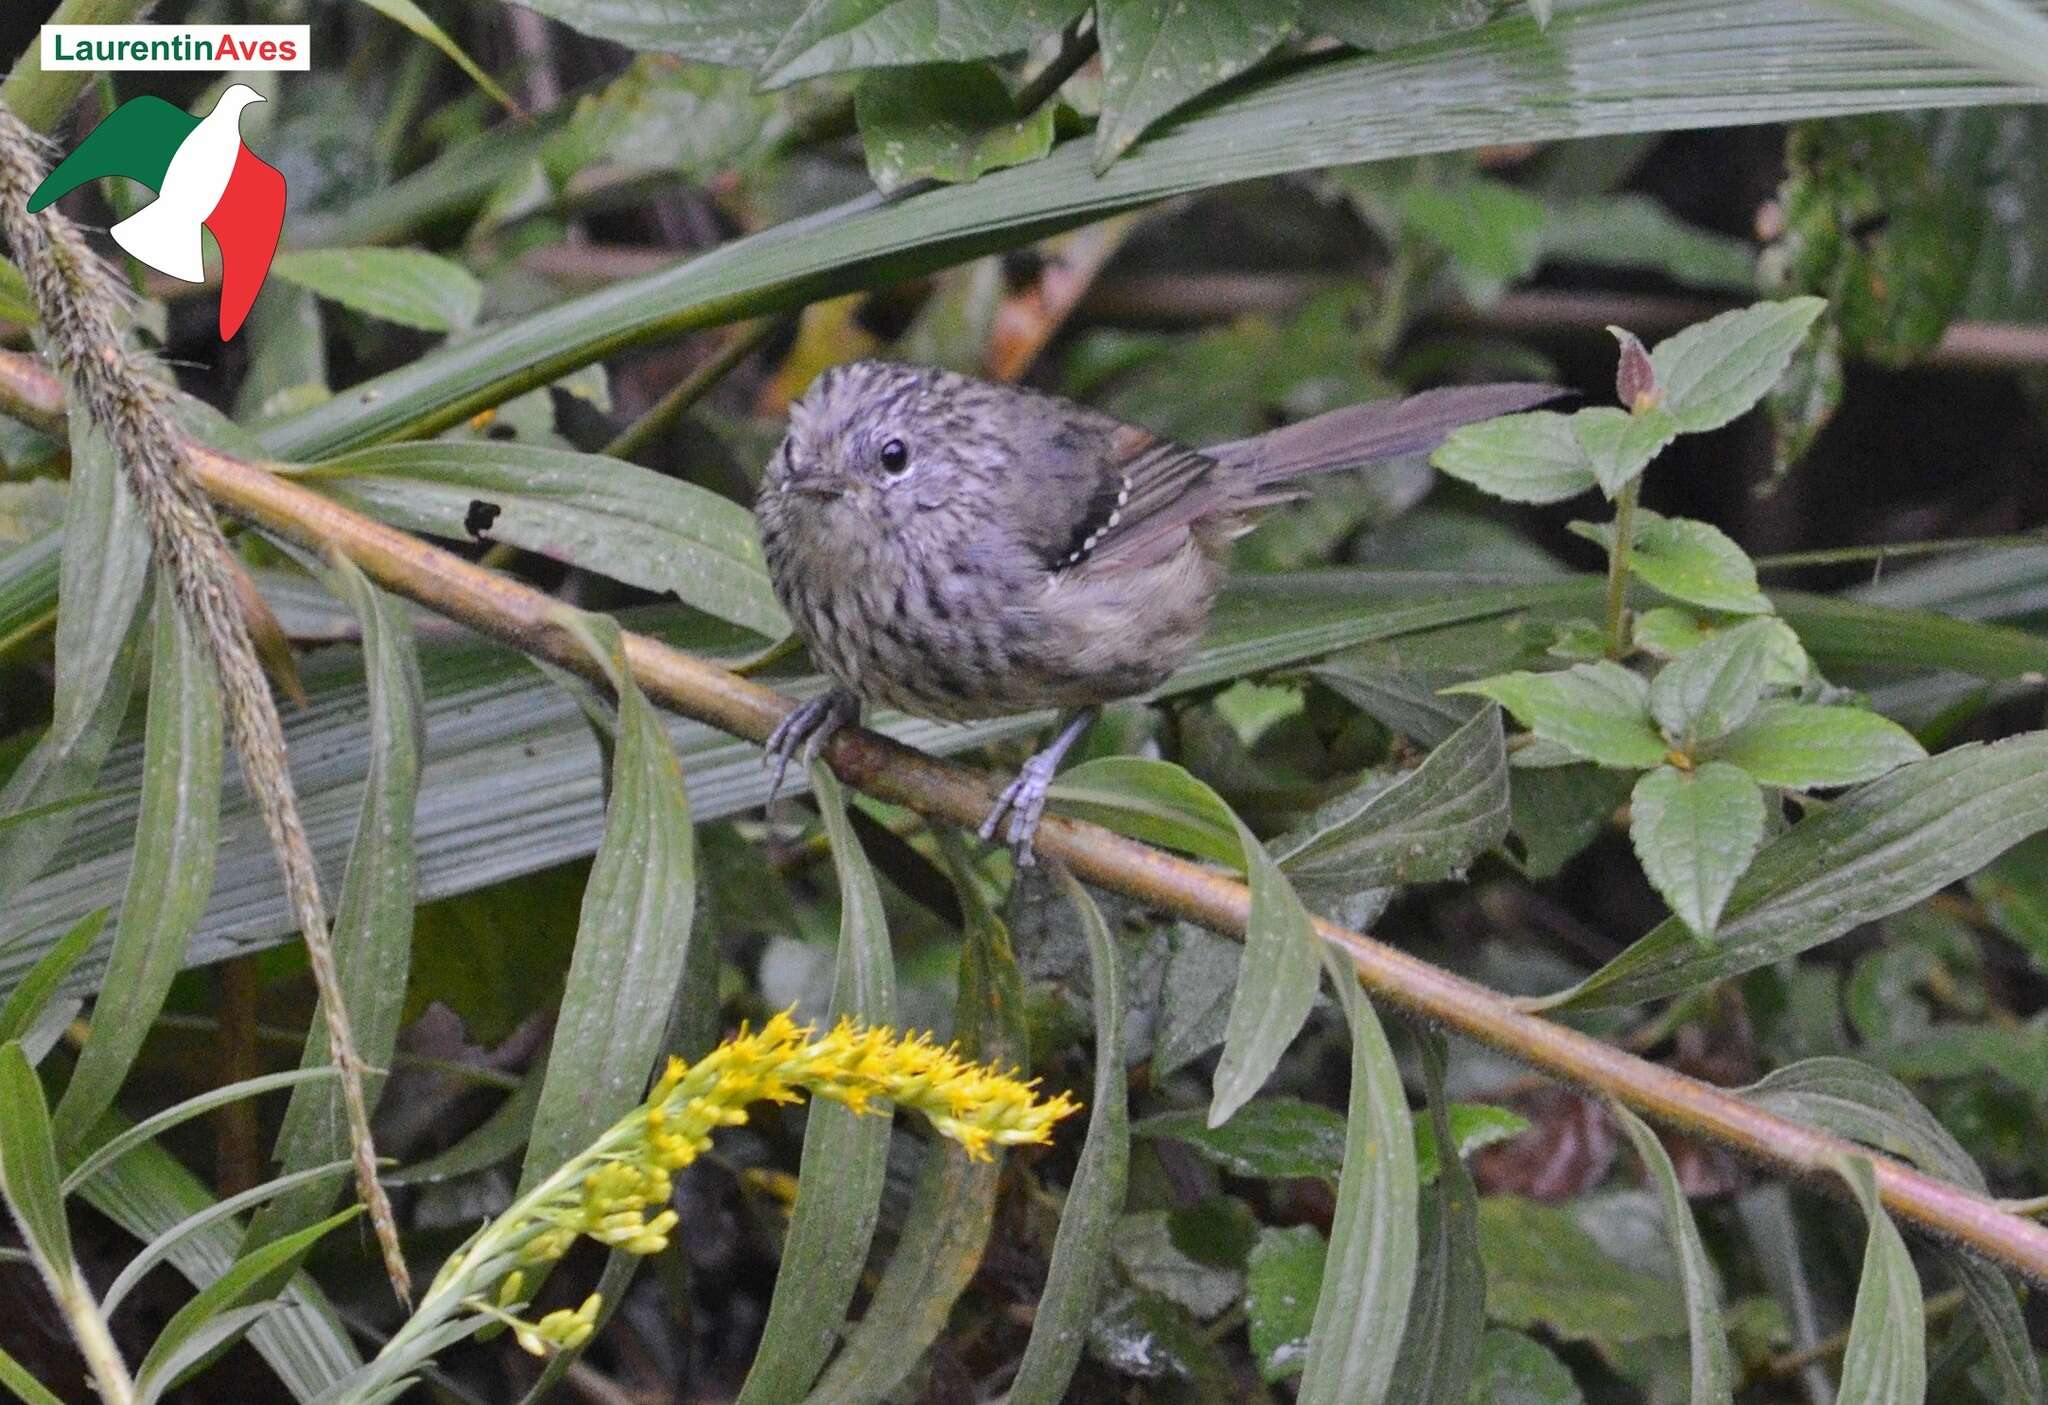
<point x="1897" y="551"/>
<point x="89" y="1332"/>
<point x="1617" y="567"/>
<point x="663" y="413"/>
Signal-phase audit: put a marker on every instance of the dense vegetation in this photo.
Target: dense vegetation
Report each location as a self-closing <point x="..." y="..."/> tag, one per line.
<point x="1679" y="745"/>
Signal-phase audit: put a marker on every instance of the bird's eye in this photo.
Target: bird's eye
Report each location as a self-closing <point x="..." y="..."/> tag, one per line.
<point x="895" y="457"/>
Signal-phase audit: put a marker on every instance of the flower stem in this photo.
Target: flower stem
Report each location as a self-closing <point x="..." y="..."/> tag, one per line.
<point x="1617" y="567"/>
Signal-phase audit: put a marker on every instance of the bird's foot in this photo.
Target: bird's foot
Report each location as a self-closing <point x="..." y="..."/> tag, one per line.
<point x="805" y="731"/>
<point x="1023" y="803"/>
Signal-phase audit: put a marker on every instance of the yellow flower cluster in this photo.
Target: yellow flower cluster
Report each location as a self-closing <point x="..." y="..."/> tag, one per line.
<point x="607" y="1191"/>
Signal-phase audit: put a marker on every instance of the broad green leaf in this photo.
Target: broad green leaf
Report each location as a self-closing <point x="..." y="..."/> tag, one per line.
<point x="1277" y="984"/>
<point x="1517" y="1370"/>
<point x="254" y="1277"/>
<point x="1534" y="457"/>
<point x="1474" y="1126"/>
<point x="1492" y="231"/>
<point x="116" y="1146"/>
<point x="942" y="1245"/>
<point x="215" y="1215"/>
<point x="949" y="122"/>
<point x="1156" y="56"/>
<point x="101" y="573"/>
<point x="1802" y="745"/>
<point x="2014" y="892"/>
<point x="1619" y="445"/>
<point x="1390" y="24"/>
<point x="610" y="517"/>
<point x="1154" y="1249"/>
<point x="739" y="33"/>
<point x="147" y="1191"/>
<point x="1447" y="1311"/>
<point x="1543" y="1269"/>
<point x="177" y="833"/>
<point x="373" y="916"/>
<point x="1753" y="61"/>
<point x="408" y="286"/>
<point x="632" y="936"/>
<point x="839" y="1184"/>
<point x="1713" y="688"/>
<point x="1877" y="850"/>
<point x="25" y="1004"/>
<point x="1713" y="1367"/>
<point x="410" y="15"/>
<point x="1278" y="1138"/>
<point x="1886" y="1360"/>
<point x="28" y="1171"/>
<point x="1597" y="711"/>
<point x="1689" y="560"/>
<point x="1695" y="832"/>
<point x="1428" y="825"/>
<point x="831" y="35"/>
<point x="1362" y="1308"/>
<point x="1282" y="1281"/>
<point x="1714" y="371"/>
<point x="1666" y="631"/>
<point x="1636" y="231"/>
<point x="1080" y="1264"/>
<point x="659" y="116"/>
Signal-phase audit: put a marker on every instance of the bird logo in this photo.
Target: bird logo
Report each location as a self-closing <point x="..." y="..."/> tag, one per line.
<point x="203" y="175"/>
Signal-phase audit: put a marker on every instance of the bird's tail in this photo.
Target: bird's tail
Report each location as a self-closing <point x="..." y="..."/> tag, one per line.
<point x="1384" y="429"/>
<point x="166" y="238"/>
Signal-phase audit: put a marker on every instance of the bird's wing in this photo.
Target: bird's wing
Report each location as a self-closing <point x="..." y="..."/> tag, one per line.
<point x="137" y="140"/>
<point x="246" y="224"/>
<point x="1151" y="493"/>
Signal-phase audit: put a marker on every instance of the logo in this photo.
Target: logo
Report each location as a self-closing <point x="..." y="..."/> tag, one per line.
<point x="203" y="177"/>
<point x="243" y="47"/>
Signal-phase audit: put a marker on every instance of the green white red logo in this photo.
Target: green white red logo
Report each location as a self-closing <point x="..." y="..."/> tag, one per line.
<point x="204" y="177"/>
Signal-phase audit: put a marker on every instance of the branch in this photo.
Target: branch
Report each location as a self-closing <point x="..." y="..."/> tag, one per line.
<point x="523" y="618"/>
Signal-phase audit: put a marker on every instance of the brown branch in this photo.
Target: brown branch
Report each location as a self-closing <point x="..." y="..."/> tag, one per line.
<point x="523" y="617"/>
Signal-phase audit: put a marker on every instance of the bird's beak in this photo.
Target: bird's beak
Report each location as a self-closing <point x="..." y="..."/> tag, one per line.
<point x="821" y="485"/>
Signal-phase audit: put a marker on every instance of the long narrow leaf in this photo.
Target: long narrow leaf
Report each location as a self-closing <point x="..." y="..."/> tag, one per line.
<point x="15" y="1377"/>
<point x="1447" y="1312"/>
<point x="1886" y="1360"/>
<point x="1713" y="1369"/>
<point x="839" y="1184"/>
<point x="176" y="838"/>
<point x="1080" y="1247"/>
<point x="120" y="1144"/>
<point x="2002" y="36"/>
<point x="26" y="1003"/>
<point x="28" y="1169"/>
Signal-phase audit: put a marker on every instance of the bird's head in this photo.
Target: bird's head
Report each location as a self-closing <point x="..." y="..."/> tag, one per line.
<point x="238" y="97"/>
<point x="875" y="448"/>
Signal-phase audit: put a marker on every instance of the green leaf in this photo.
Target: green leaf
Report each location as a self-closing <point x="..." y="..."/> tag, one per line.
<point x="2002" y="35"/>
<point x="1597" y="711"/>
<point x="1714" y="687"/>
<point x="1619" y="445"/>
<point x="1695" y="832"/>
<point x="1155" y="57"/>
<point x="2014" y="893"/>
<point x="942" y="1244"/>
<point x="1877" y="850"/>
<point x="1277" y="984"/>
<point x="1492" y="231"/>
<point x="1717" y="369"/>
<point x="1886" y="1360"/>
<point x="1473" y="1126"/>
<point x="1148" y="1247"/>
<point x="1635" y="231"/>
<point x="410" y="15"/>
<point x="839" y="1184"/>
<point x="949" y="122"/>
<point x="1542" y="1269"/>
<point x="25" y="1004"/>
<point x="1447" y="1311"/>
<point x="255" y="1277"/>
<point x="1518" y="1370"/>
<point x="741" y="33"/>
<point x="407" y="286"/>
<point x="1283" y="1278"/>
<point x="614" y="518"/>
<point x="1362" y="1308"/>
<point x="1074" y="1281"/>
<point x="176" y="835"/>
<point x="1559" y="810"/>
<point x="1429" y="824"/>
<point x="1278" y="1138"/>
<point x="1713" y="1368"/>
<point x="15" y="303"/>
<point x="1691" y="561"/>
<point x="1390" y="24"/>
<point x="28" y="1171"/>
<point x="1803" y="745"/>
<point x="632" y="937"/>
<point x="100" y="575"/>
<point x="833" y="35"/>
<point x="114" y="1147"/>
<point x="27" y="1389"/>
<point x="1534" y="457"/>
<point x="373" y="917"/>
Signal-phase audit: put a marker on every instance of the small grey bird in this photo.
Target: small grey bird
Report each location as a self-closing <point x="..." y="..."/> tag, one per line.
<point x="960" y="549"/>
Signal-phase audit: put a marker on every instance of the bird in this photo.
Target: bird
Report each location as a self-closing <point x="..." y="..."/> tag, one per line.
<point x="204" y="177"/>
<point x="959" y="549"/>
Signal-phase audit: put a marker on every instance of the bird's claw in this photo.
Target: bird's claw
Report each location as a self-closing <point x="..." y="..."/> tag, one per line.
<point x="1023" y="803"/>
<point x="805" y="731"/>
